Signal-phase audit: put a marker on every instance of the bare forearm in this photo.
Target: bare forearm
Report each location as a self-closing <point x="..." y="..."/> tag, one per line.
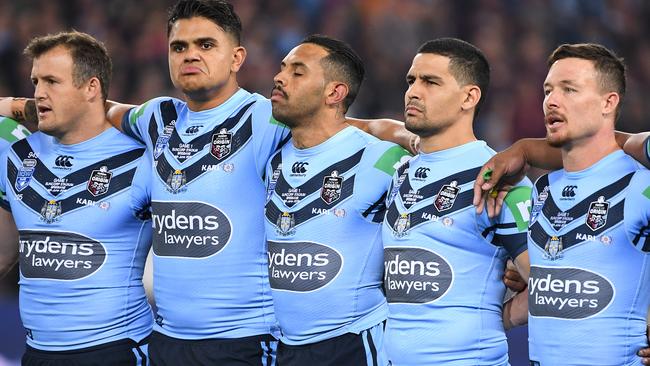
<point x="115" y="112"/>
<point x="636" y="146"/>
<point x="388" y="130"/>
<point x="22" y="110"/>
<point x="538" y="153"/>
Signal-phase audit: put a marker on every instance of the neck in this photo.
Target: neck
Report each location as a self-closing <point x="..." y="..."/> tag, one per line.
<point x="316" y="130"/>
<point x="581" y="154"/>
<point x="91" y="124"/>
<point x="208" y="99"/>
<point x="456" y="134"/>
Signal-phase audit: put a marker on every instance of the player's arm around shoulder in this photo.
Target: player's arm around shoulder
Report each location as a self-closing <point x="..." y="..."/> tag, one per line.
<point x="380" y="162"/>
<point x="132" y="119"/>
<point x="638" y="147"/>
<point x="8" y="230"/>
<point x="637" y="210"/>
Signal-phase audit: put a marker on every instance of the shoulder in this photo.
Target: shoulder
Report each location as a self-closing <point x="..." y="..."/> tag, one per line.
<point x="385" y="156"/>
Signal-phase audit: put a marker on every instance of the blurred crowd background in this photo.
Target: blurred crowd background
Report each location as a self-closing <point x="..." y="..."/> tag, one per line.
<point x="517" y="36"/>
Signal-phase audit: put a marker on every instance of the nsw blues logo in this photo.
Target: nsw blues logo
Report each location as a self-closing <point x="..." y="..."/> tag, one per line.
<point x="163" y="139"/>
<point x="25" y="173"/>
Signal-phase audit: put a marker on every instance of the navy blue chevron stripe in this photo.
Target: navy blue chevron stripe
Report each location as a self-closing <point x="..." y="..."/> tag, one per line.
<point x="239" y="139"/>
<point x="418" y="217"/>
<point x="316" y="182"/>
<point x="432" y="189"/>
<point x="169" y="114"/>
<point x="35" y="201"/>
<point x="313" y="208"/>
<point x="43" y="175"/>
<point x="569" y="239"/>
<point x="550" y="208"/>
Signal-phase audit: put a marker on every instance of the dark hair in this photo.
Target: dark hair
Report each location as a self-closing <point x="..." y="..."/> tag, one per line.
<point x="89" y="56"/>
<point x="341" y="63"/>
<point x="467" y="63"/>
<point x="610" y="68"/>
<point x="219" y="12"/>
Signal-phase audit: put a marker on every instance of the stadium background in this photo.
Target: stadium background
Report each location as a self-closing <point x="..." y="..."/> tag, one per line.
<point x="516" y="36"/>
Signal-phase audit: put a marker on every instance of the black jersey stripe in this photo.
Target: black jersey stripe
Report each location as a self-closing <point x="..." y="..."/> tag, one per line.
<point x="315" y="183"/>
<point x="43" y="175"/>
<point x="169" y="115"/>
<point x="569" y="239"/>
<point x="432" y="189"/>
<point x="550" y="208"/>
<point x="423" y="215"/>
<point x="313" y="208"/>
<point x="35" y="201"/>
<point x="164" y="169"/>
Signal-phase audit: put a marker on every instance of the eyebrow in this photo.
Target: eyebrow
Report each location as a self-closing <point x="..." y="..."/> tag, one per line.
<point x="426" y="77"/>
<point x="294" y="64"/>
<point x="563" y="82"/>
<point x="180" y="42"/>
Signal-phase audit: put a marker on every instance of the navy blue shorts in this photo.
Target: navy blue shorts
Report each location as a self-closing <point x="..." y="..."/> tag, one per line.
<point x="248" y="351"/>
<point x="125" y="352"/>
<point x="350" y="349"/>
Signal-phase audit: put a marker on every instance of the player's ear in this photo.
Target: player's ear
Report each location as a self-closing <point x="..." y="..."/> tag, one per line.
<point x="336" y="92"/>
<point x="93" y="89"/>
<point x="472" y="95"/>
<point x="238" y="57"/>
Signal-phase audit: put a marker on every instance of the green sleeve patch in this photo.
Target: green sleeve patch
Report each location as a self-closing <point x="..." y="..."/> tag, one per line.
<point x="392" y="159"/>
<point x="11" y="130"/>
<point x="133" y="118"/>
<point x="274" y="121"/>
<point x="518" y="201"/>
<point x="646" y="192"/>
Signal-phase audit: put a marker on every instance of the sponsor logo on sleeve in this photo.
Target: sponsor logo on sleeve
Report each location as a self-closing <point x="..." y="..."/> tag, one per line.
<point x="59" y="255"/>
<point x="189" y="229"/>
<point x="567" y="293"/>
<point x="302" y="266"/>
<point x="415" y="275"/>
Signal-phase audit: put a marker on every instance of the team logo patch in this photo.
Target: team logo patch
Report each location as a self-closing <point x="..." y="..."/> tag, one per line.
<point x="50" y="211"/>
<point x="597" y="214"/>
<point x="99" y="181"/>
<point x="163" y="140"/>
<point x="25" y="173"/>
<point x="286" y="224"/>
<point x="273" y="181"/>
<point x="176" y="181"/>
<point x="402" y="225"/>
<point x="397" y="186"/>
<point x="539" y="204"/>
<point x="221" y="144"/>
<point x="331" y="190"/>
<point x="446" y="197"/>
<point x="553" y="248"/>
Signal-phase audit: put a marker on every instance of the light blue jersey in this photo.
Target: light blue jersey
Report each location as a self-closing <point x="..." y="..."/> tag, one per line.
<point x="210" y="276"/>
<point x="588" y="246"/>
<point x="10" y="132"/>
<point x="443" y="263"/>
<point x="323" y="215"/>
<point x="84" y="236"/>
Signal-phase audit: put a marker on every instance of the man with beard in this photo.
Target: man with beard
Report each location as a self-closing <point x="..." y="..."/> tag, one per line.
<point x="443" y="263"/>
<point x="325" y="202"/>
